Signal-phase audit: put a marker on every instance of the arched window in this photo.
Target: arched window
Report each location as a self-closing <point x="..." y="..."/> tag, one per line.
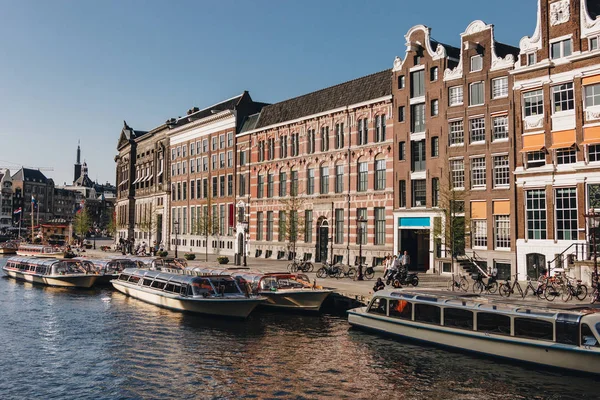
<point x="270" y="184"/>
<point x="260" y="186"/>
<point x="324" y="177"/>
<point x="380" y="173"/>
<point x="339" y="178"/>
<point x="362" y="177"/>
<point x="282" y="183"/>
<point x="294" y="182"/>
<point x="310" y="180"/>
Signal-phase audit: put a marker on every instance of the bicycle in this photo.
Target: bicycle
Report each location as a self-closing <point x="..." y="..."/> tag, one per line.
<point x="328" y="270"/>
<point x="345" y="271"/>
<point x="460" y="283"/>
<point x="536" y="291"/>
<point x="578" y="291"/>
<point x="506" y="289"/>
<point x="479" y="285"/>
<point x="300" y="265"/>
<point x="368" y="271"/>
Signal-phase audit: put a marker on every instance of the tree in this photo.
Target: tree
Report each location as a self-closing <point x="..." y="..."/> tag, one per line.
<point x="148" y="221"/>
<point x="206" y="224"/>
<point x="111" y="228"/>
<point x="294" y="223"/>
<point x="82" y="222"/>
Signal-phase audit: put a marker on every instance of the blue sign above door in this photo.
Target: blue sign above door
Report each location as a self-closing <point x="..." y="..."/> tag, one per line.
<point x="409" y="222"/>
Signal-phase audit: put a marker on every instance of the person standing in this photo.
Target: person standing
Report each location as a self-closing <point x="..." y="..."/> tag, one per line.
<point x="405" y="261"/>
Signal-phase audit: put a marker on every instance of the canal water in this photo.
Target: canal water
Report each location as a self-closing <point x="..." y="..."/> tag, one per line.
<point x="99" y="344"/>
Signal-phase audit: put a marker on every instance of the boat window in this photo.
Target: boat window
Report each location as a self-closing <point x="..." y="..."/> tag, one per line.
<point x="378" y="306"/>
<point x="147" y="282"/>
<point x="587" y="336"/>
<point x="268" y="284"/>
<point x="134" y="279"/>
<point x="458" y="318"/>
<point x="493" y="323"/>
<point x="169" y="287"/>
<point x="567" y="329"/>
<point x="158" y="284"/>
<point x="123" y="277"/>
<point x="184" y="290"/>
<point x="534" y="329"/>
<point x="427" y="313"/>
<point x="400" y="309"/>
<point x="202" y="287"/>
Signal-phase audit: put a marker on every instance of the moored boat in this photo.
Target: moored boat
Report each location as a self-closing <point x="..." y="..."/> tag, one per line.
<point x="562" y="338"/>
<point x="39" y="250"/>
<point x="51" y="271"/>
<point x="158" y="263"/>
<point x="281" y="289"/>
<point x="9" y="247"/>
<point x="109" y="268"/>
<point x="213" y="295"/>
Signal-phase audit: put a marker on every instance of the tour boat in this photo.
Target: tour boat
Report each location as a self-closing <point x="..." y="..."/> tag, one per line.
<point x="281" y="289"/>
<point x="51" y="271"/>
<point x="9" y="247"/>
<point x="39" y="250"/>
<point x="562" y="338"/>
<point x="158" y="263"/>
<point x="213" y="295"/>
<point x="109" y="268"/>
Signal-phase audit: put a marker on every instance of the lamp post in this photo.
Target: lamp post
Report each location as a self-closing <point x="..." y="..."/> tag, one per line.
<point x="361" y="226"/>
<point x="176" y="225"/>
<point x="593" y="223"/>
<point x="245" y="250"/>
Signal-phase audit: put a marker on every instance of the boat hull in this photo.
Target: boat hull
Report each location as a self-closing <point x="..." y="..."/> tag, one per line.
<point x="75" y="281"/>
<point x="26" y="253"/>
<point x="308" y="300"/>
<point x="237" y="308"/>
<point x="4" y="250"/>
<point x="548" y="354"/>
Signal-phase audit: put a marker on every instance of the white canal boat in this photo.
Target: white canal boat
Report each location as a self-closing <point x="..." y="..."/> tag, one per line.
<point x="51" y="271"/>
<point x="562" y="338"/>
<point x="213" y="295"/>
<point x="282" y="290"/>
<point x="39" y="250"/>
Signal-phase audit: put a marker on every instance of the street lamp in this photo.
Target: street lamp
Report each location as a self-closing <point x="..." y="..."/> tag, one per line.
<point x="176" y="225"/>
<point x="361" y="226"/>
<point x="244" y="244"/>
<point x="593" y="222"/>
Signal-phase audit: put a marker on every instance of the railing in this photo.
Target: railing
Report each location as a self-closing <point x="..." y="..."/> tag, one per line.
<point x="580" y="250"/>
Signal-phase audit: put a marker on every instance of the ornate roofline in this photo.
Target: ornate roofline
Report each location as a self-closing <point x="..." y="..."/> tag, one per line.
<point x="438" y="53"/>
<point x="589" y="26"/>
<point x="533" y="42"/>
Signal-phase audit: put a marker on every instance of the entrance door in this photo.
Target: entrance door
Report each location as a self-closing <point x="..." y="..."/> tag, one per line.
<point x="159" y="228"/>
<point x="322" y="242"/>
<point x="416" y="243"/>
<point x="535" y="264"/>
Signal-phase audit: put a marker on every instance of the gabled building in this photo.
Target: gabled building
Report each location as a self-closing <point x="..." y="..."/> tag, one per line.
<point x="311" y="166"/>
<point x="6" y="200"/>
<point x="557" y="121"/>
<point x="32" y="183"/>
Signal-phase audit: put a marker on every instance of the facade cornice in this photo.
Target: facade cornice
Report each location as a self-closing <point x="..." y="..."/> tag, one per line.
<point x="204" y="121"/>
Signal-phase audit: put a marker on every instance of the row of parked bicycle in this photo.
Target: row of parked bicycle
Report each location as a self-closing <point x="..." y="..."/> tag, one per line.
<point x="331" y="270"/>
<point x="548" y="288"/>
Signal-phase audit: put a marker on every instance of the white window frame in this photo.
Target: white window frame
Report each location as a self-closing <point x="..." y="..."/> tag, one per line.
<point x="457" y="168"/>
<point x="471" y="86"/>
<point x="501" y="171"/>
<point x="455" y="96"/>
<point x="477" y="126"/>
<point x="567" y="210"/>
<point x="566" y="156"/>
<point x="457" y="136"/>
<point x="536" y="216"/>
<point x="590" y="43"/>
<point x="561" y="43"/>
<point x="595" y="88"/>
<point x="480" y="233"/>
<point x="567" y="96"/>
<point x="475" y="68"/>
<point x="502" y="224"/>
<point x="499" y="128"/>
<point x="529" y="95"/>
<point x="500" y="87"/>
<point x="478" y="172"/>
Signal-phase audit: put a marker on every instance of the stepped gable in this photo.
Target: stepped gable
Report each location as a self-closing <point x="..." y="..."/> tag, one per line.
<point x="352" y="92"/>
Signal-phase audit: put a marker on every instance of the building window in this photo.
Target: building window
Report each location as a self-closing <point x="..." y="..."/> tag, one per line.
<point x="271" y="148"/>
<point x="310" y="181"/>
<point x="215" y="186"/>
<point x="379" y="226"/>
<point x="501" y="171"/>
<point x="500" y="87"/>
<point x="205" y="162"/>
<point x="594" y="152"/>
<point x="478" y="172"/>
<point x="380" y="128"/>
<point x="535" y="208"/>
<point x="417" y="84"/>
<point x="295" y="144"/>
<point x="380" y="174"/>
<point x="566" y="213"/>
<point x="214" y="143"/>
<point x="536" y="159"/>
<point x="339" y="225"/>
<point x="562" y="97"/>
<point x="192" y="149"/>
<point x="325" y="138"/>
<point x="457" y="133"/>
<point x="339" y="178"/>
<point x="283" y="146"/>
<point x="402" y="193"/>
<point x="229" y="139"/>
<point x="500" y="126"/>
<point x="339" y="136"/>
<point x="222" y="186"/>
<point x="457" y="167"/>
<point x="592" y="95"/>
<point x="435" y="107"/>
<point x="311" y="141"/>
<point x="205" y="188"/>
<point x="419" y="192"/>
<point x="476" y="94"/>
<point x="593" y="43"/>
<point x="205" y="145"/>
<point x="270" y="185"/>
<point x="476" y="63"/>
<point x="229" y="159"/>
<point x="593" y="192"/>
<point x="294" y="184"/>
<point x="229" y="185"/>
<point x="401" y="151"/>
<point x="477" y="126"/>
<point x="269" y="226"/>
<point x="564" y="48"/>
<point x="308" y="216"/>
<point x="417" y="118"/>
<point x="417" y="155"/>
<point x="192" y="166"/>
<point x="282" y="228"/>
<point x="455" y="95"/>
<point x="433" y="74"/>
<point x="435" y="192"/>
<point x="324" y="177"/>
<point x="242" y="179"/>
<point x="533" y="103"/>
<point x="502" y="231"/>
<point x="531" y="59"/>
<point x="480" y="233"/>
<point x="565" y="156"/>
<point x="222" y="141"/>
<point x="401" y="114"/>
<point x="401" y="82"/>
<point x="260" y="187"/>
<point x="282" y="184"/>
<point x="417" y="59"/>
<point x="363" y="131"/>
<point x="435" y="146"/>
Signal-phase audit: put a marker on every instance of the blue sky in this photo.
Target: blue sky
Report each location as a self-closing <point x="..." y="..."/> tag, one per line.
<point x="74" y="70"/>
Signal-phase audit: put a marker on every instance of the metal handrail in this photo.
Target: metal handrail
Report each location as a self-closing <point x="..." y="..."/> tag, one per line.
<point x="472" y="260"/>
<point x="561" y="255"/>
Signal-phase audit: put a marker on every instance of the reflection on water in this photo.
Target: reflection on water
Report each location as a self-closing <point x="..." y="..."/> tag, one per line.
<point x="76" y="344"/>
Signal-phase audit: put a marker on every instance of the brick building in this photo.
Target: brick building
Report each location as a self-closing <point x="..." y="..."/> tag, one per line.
<point x="311" y="165"/>
<point x="557" y="120"/>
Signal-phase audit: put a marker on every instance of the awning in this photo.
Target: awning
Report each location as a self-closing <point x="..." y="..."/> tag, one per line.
<point x="563" y="139"/>
<point x="149" y="177"/>
<point x="531" y="148"/>
<point x="591" y="135"/>
<point x="590" y="80"/>
<point x="478" y="210"/>
<point x="136" y="181"/>
<point x="564" y="145"/>
<point x="501" y="207"/>
<point x="159" y="174"/>
<point x="533" y="142"/>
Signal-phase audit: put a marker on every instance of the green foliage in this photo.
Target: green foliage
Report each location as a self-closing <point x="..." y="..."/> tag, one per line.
<point x="189" y="256"/>
<point x="223" y="260"/>
<point x="82" y="223"/>
<point x="162" y="253"/>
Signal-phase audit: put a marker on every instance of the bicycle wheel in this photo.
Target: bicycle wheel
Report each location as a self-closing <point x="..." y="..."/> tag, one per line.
<point x="519" y="289"/>
<point x="415" y="281"/>
<point x="567" y="294"/>
<point x="582" y="292"/>
<point x="396" y="284"/>
<point x="594" y="296"/>
<point x="551" y="292"/>
<point x="322" y="273"/>
<point x="464" y="284"/>
<point x="308" y="267"/>
<point x="337" y="273"/>
<point x="369" y="273"/>
<point x="492" y="287"/>
<point x="292" y="267"/>
<point x="450" y="285"/>
<point x="504" y="290"/>
<point x="351" y="272"/>
<point x="477" y="287"/>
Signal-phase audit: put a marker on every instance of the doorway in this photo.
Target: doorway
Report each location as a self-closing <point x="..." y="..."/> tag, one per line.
<point x="416" y="243"/>
<point x="536" y="263"/>
<point x="159" y="229"/>
<point x="322" y="240"/>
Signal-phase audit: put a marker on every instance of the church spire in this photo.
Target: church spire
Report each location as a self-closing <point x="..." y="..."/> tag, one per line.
<point x="78" y="153"/>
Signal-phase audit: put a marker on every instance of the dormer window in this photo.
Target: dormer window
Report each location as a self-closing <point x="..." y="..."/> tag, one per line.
<point x="593" y="43"/>
<point x="561" y="49"/>
<point x="417" y="59"/>
<point x="476" y="63"/>
<point x="531" y="59"/>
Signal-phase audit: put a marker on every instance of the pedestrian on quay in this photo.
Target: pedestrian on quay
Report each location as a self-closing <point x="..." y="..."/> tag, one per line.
<point x="405" y="260"/>
<point x="379" y="285"/>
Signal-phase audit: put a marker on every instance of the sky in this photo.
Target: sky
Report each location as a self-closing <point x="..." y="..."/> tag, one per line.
<point x="74" y="70"/>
